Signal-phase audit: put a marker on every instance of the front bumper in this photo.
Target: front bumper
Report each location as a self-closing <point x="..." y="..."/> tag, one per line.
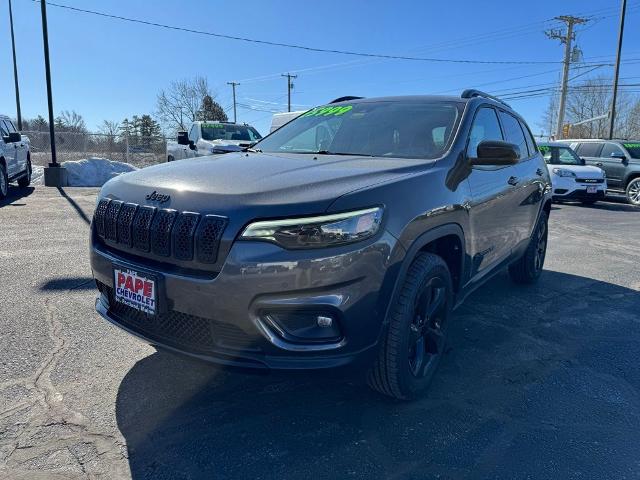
<point x="220" y="317"/>
<point x="568" y="188"/>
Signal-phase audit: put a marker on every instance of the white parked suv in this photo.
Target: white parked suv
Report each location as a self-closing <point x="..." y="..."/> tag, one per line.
<point x="15" y="159"/>
<point x="571" y="179"/>
<point x="207" y="138"/>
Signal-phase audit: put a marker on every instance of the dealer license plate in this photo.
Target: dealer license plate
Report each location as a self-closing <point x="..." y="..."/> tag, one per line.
<point x="592" y="189"/>
<point x="135" y="289"/>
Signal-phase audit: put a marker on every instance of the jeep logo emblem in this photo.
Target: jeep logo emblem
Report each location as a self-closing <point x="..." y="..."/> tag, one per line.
<point x="158" y="197"/>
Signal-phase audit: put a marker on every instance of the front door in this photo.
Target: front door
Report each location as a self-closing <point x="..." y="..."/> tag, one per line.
<point x="493" y="190"/>
<point x="10" y="150"/>
<point x="614" y="166"/>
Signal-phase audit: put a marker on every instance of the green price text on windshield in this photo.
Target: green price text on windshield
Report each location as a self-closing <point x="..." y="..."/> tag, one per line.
<point x="328" y="111"/>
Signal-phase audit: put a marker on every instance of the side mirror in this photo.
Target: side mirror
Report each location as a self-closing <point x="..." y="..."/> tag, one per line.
<point x="582" y="161"/>
<point x="192" y="145"/>
<point x="13" y="137"/>
<point x="183" y="138"/>
<point x="496" y="152"/>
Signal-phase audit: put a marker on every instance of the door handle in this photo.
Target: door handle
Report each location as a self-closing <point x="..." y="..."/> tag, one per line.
<point x="539" y="172"/>
<point x="599" y="164"/>
<point x="512" y="181"/>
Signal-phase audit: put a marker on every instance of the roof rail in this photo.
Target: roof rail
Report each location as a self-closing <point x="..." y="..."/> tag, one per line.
<point x="344" y="99"/>
<point x="471" y="93"/>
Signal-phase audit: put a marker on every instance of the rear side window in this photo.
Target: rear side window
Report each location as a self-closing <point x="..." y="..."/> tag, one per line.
<point x="610" y="148"/>
<point x="591" y="149"/>
<point x="485" y="127"/>
<point x="531" y="144"/>
<point x="513" y="133"/>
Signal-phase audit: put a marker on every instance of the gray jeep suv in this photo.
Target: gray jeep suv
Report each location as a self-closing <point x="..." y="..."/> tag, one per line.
<point x="620" y="160"/>
<point x="344" y="238"/>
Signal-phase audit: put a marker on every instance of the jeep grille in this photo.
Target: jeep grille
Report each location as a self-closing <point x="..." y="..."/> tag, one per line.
<point x="186" y="236"/>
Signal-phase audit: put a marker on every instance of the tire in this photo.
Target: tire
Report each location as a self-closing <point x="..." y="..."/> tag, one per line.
<point x="4" y="182"/>
<point x="633" y="191"/>
<point x="528" y="268"/>
<point x="415" y="338"/>
<point x="25" y="181"/>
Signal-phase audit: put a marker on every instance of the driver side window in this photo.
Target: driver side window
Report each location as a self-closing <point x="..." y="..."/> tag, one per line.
<point x="485" y="127"/>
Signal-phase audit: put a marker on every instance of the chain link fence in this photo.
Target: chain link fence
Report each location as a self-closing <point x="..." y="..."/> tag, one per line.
<point x="139" y="151"/>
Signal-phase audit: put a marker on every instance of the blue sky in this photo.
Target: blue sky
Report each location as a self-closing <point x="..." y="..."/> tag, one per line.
<point x="110" y="69"/>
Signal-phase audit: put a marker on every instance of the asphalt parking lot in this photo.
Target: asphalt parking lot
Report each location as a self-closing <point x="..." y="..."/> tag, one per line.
<point x="538" y="382"/>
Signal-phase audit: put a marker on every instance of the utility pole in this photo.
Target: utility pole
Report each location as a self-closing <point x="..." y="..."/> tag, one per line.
<point x="612" y="119"/>
<point x="54" y="175"/>
<point x="289" y="88"/>
<point x="565" y="38"/>
<point x="15" y="69"/>
<point x="233" y="86"/>
<point x="47" y="69"/>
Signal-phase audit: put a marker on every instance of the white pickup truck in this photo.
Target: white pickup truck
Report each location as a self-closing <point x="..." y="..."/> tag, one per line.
<point x="15" y="159"/>
<point x="207" y="138"/>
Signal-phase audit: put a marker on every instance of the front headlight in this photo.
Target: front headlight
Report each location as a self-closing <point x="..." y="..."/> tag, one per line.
<point x="317" y="232"/>
<point x="561" y="172"/>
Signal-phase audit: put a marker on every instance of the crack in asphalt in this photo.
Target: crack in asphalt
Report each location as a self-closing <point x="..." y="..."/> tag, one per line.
<point x="54" y="413"/>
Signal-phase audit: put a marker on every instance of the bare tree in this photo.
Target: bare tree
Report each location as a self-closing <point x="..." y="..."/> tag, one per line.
<point x="181" y="103"/>
<point x="109" y="128"/>
<point x="592" y="98"/>
<point x="70" y="122"/>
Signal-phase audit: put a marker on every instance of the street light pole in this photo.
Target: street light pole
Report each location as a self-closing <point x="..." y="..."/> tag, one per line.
<point x="47" y="67"/>
<point x="612" y="120"/>
<point x="15" y="69"/>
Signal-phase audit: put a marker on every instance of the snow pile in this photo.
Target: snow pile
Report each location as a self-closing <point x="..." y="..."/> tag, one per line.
<point x="90" y="172"/>
<point x="37" y="175"/>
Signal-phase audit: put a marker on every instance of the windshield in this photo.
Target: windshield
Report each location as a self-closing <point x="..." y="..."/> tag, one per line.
<point x="409" y="129"/>
<point x="633" y="149"/>
<point x="559" y="155"/>
<point x="226" y="131"/>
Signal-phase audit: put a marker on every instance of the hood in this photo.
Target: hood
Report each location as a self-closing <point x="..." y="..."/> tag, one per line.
<point x="582" y="171"/>
<point x="257" y="184"/>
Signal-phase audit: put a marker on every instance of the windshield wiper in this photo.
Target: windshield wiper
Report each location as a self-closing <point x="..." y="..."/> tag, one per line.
<point x="253" y="150"/>
<point x="327" y="152"/>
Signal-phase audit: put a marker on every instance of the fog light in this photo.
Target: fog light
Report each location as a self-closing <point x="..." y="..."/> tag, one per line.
<point x="302" y="326"/>
<point x="324" y="322"/>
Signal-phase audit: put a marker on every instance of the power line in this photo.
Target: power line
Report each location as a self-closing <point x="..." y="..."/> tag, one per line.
<point x="300" y="47"/>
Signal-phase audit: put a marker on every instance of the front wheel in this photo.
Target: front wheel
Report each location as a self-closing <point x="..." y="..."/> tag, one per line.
<point x="633" y="191"/>
<point x="528" y="268"/>
<point x="415" y="338"/>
